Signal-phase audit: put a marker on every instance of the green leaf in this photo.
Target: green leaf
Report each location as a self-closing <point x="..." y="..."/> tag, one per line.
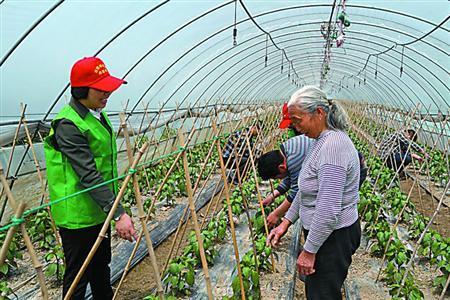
<point x="174" y="280"/>
<point x="4" y="269"/>
<point x="440" y="281"/>
<point x="255" y="278"/>
<point x="174" y="268"/>
<point x="246" y="272"/>
<point x="51" y="270"/>
<point x="190" y="278"/>
<point x="236" y="285"/>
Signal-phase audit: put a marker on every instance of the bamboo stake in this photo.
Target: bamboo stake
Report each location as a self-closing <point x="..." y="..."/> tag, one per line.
<point x="187" y="207"/>
<point x="230" y="213"/>
<point x="234" y="162"/>
<point x="260" y="202"/>
<point x="217" y="185"/>
<point x="395" y="227"/>
<point x="159" y="191"/>
<point x="150" y="143"/>
<point x="249" y="219"/>
<point x="152" y="137"/>
<point x="10" y="235"/>
<point x="419" y="241"/>
<point x="441" y="297"/>
<point x="33" y="152"/>
<point x="16" y="134"/>
<point x="41" y="179"/>
<point x="155" y="197"/>
<point x="106" y="225"/>
<point x="194" y="217"/>
<point x="19" y="211"/>
<point x="141" y="216"/>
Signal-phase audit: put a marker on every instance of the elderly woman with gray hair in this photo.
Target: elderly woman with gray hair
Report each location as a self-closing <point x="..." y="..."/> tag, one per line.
<point x="328" y="195"/>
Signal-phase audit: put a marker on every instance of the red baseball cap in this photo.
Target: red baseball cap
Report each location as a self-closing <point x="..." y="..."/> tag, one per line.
<point x="92" y="72"/>
<point x="286" y="121"/>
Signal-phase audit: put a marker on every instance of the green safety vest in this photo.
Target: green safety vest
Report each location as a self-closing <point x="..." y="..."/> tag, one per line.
<point x="80" y="211"/>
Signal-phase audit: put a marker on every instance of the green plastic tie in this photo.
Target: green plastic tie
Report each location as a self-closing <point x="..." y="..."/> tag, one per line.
<point x="17" y="221"/>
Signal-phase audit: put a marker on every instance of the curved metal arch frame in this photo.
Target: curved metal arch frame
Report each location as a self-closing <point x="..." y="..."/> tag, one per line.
<point x="262" y="69"/>
<point x="256" y="16"/>
<point x="223" y="30"/>
<point x="386" y="84"/>
<point x="259" y="15"/>
<point x="378" y="89"/>
<point x="360" y="58"/>
<point x="394" y="75"/>
<point x="277" y="81"/>
<point x="394" y="58"/>
<point x="131" y="24"/>
<point x="390" y="78"/>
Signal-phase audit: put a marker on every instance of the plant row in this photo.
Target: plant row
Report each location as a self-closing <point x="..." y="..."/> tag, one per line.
<point x="380" y="205"/>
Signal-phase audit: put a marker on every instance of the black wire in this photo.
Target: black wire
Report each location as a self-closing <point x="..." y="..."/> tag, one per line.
<point x="404" y="44"/>
<point x="401" y="64"/>
<point x="265" y="58"/>
<point x="266" y="32"/>
<point x="235" y="20"/>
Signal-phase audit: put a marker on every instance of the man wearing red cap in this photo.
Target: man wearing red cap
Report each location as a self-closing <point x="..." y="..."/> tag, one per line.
<point x="81" y="153"/>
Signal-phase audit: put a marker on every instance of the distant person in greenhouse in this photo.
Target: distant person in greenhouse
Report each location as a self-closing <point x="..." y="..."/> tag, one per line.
<point x="80" y="153"/>
<point x="235" y="154"/>
<point x="328" y="195"/>
<point x="395" y="150"/>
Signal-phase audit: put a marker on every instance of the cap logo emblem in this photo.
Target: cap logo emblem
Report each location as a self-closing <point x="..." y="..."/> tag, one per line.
<point x="100" y="69"/>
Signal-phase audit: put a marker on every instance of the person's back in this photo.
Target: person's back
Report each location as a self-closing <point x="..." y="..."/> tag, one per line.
<point x="295" y="150"/>
<point x="395" y="150"/>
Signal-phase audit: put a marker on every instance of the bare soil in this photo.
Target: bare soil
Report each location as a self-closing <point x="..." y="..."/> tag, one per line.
<point x="140" y="281"/>
<point x="273" y="285"/>
<point x="426" y="205"/>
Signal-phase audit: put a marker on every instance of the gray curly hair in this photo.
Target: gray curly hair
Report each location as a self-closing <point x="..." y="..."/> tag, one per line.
<point x="309" y="98"/>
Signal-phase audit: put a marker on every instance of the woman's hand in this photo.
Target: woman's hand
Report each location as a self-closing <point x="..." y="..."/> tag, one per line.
<point x="305" y="263"/>
<point x="125" y="228"/>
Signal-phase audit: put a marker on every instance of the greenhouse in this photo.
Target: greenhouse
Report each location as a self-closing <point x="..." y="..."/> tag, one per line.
<point x="224" y="149"/>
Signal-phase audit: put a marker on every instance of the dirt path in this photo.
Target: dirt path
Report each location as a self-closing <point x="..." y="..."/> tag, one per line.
<point x="426" y="205"/>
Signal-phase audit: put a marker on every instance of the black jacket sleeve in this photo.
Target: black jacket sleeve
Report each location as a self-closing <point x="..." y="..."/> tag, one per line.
<point x="74" y="145"/>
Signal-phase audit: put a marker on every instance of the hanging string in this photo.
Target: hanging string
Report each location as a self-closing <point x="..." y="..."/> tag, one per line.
<point x="401" y="63"/>
<point x="376" y="68"/>
<point x="235" y="21"/>
<point x="289" y="71"/>
<point x="265" y="59"/>
<point x="282" y="63"/>
<point x="365" y="73"/>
